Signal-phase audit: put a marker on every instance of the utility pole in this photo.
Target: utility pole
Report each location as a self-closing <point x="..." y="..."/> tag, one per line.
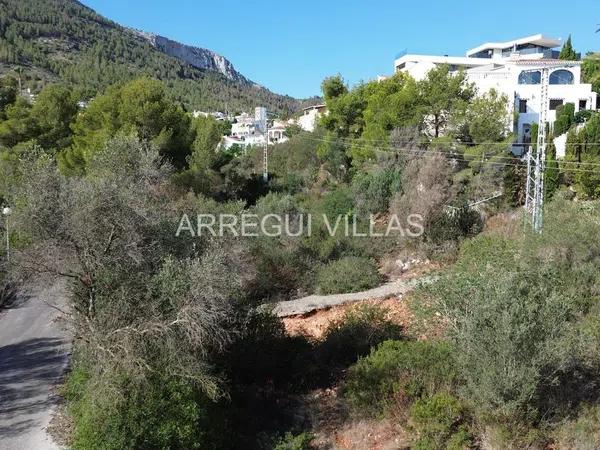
<point x="536" y="161"/>
<point x="266" y="152"/>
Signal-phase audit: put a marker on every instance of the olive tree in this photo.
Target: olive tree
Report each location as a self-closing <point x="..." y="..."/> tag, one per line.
<point x="143" y="300"/>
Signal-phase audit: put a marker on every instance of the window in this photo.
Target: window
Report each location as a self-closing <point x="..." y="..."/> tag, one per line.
<point x="522" y="106"/>
<point x="582" y="105"/>
<point x="482" y="54"/>
<point x="534" y="77"/>
<point x="555" y="103"/>
<point x="561" y="77"/>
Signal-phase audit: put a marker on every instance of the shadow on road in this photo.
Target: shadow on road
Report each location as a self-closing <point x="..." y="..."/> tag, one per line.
<point x="27" y="369"/>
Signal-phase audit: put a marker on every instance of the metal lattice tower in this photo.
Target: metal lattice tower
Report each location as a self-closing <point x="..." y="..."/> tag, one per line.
<point x="536" y="161"/>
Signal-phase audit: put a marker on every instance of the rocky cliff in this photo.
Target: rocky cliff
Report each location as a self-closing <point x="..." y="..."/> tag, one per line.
<point x="200" y="58"/>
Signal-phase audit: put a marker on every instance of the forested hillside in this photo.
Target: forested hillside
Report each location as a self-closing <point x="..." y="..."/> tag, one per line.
<point x="63" y="40"/>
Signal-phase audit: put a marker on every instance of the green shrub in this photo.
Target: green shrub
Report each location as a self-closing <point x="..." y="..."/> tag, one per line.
<point x="438" y="420"/>
<point x="324" y="247"/>
<point x="460" y="223"/>
<point x="485" y="250"/>
<point x="565" y="118"/>
<point x="290" y="441"/>
<point x="512" y="307"/>
<point x="160" y="413"/>
<point x="583" y="115"/>
<point x="349" y="274"/>
<point x="372" y="192"/>
<point x="399" y="369"/>
<point x="588" y="181"/>
<point x="356" y="332"/>
<point x="338" y="202"/>
<point x="280" y="270"/>
<point x="505" y="330"/>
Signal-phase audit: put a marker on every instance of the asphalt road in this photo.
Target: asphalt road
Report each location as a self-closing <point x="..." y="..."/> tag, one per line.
<point x="34" y="353"/>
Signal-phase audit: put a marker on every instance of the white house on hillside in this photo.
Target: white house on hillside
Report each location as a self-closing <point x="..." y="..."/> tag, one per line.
<point x="308" y="120"/>
<point x="514" y="68"/>
<point x="247" y="130"/>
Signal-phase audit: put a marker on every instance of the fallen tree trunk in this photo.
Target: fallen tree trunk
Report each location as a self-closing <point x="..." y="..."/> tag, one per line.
<point x="311" y="303"/>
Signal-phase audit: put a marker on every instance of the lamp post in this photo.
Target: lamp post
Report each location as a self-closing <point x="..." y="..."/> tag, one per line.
<point x="6" y="211"/>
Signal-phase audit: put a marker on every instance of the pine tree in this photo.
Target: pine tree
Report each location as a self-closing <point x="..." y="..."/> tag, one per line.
<point x="567" y="51"/>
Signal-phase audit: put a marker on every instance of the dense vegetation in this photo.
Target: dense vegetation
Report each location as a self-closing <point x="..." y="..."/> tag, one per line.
<point x="512" y="358"/>
<point x="172" y="351"/>
<point x="52" y="40"/>
<point x="591" y="70"/>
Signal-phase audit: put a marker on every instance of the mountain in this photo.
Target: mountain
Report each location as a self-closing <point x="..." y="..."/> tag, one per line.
<point x="200" y="58"/>
<point x="66" y="41"/>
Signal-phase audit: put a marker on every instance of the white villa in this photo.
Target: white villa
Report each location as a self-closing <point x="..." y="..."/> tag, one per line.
<point x="245" y="125"/>
<point x="514" y="68"/>
<point x="308" y="119"/>
<point x="247" y="130"/>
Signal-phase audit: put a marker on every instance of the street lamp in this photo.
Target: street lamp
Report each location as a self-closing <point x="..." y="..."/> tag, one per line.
<point x="6" y="211"/>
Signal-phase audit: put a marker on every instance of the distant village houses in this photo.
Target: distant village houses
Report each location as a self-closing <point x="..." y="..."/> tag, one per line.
<point x="248" y="130"/>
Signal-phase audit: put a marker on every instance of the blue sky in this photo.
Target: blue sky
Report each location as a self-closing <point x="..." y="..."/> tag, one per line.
<point x="289" y="46"/>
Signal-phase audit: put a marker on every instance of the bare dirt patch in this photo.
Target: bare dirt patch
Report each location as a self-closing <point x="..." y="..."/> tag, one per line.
<point x="334" y="430"/>
<point x="314" y="325"/>
<point x="325" y="408"/>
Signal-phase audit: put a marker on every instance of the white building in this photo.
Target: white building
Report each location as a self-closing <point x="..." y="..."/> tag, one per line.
<point x="514" y="68"/>
<point x="277" y="132"/>
<point x="310" y="115"/>
<point x="245" y="125"/>
<point x="218" y="115"/>
<point x="247" y="130"/>
<point x="260" y="118"/>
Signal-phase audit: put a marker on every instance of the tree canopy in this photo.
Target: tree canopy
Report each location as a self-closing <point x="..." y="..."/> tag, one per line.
<point x="567" y="52"/>
<point x="140" y="107"/>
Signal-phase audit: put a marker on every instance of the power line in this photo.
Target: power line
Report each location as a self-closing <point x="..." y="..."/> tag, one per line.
<point x="473" y="143"/>
<point x="518" y="162"/>
<point x="436" y="145"/>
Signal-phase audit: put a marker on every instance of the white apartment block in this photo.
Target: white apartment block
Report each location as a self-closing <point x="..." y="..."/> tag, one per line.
<point x="514" y="69"/>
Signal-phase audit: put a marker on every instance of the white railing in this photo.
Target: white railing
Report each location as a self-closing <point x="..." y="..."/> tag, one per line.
<point x="489" y="76"/>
